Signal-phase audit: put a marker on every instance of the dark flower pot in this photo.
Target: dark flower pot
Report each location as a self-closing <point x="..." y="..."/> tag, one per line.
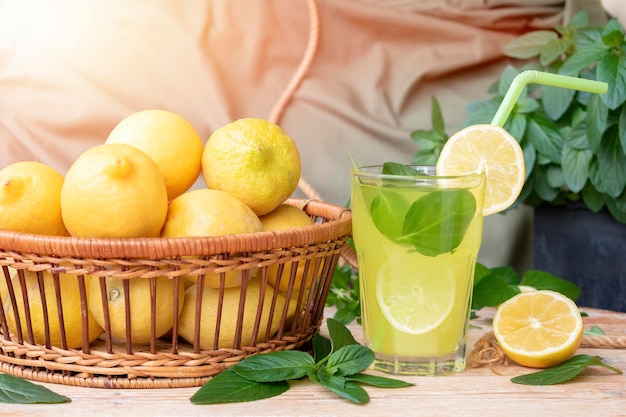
<point x="586" y="248"/>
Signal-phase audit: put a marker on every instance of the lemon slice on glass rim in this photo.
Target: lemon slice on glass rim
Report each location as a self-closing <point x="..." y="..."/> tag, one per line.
<point x="491" y="150"/>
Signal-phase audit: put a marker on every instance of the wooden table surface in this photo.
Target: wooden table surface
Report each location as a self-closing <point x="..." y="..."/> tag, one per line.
<point x="474" y="392"/>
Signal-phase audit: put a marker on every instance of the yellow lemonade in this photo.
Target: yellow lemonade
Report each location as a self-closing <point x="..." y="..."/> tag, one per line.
<point x="417" y="239"/>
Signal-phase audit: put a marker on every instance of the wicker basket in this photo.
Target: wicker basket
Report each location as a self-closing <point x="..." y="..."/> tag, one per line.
<point x="170" y="361"/>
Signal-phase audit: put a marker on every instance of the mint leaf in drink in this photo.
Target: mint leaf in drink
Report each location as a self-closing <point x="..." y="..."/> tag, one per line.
<point x="230" y="387"/>
<point x="14" y="390"/>
<point x="388" y="210"/>
<point x="563" y="372"/>
<point x="275" y="366"/>
<point x="437" y="222"/>
<point x="349" y="360"/>
<point x="394" y="168"/>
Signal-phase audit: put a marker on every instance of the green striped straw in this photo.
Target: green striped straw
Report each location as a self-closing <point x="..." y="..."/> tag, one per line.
<point x="544" y="78"/>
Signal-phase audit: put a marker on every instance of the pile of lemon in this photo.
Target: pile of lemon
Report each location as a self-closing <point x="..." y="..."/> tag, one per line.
<point x="140" y="183"/>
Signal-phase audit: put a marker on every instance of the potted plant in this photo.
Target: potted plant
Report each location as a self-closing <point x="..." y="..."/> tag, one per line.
<point x="575" y="153"/>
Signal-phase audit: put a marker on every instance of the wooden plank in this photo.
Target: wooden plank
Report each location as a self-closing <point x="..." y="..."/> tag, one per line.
<point x="475" y="392"/>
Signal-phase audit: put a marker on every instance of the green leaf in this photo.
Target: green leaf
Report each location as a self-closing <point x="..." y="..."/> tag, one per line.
<point x="612" y="70"/>
<point x="378" y="381"/>
<point x="543" y="280"/>
<point x="584" y="56"/>
<point x="576" y="138"/>
<point x="492" y="290"/>
<point x="275" y="366"/>
<point x="617" y="207"/>
<point x="576" y="167"/>
<point x="621" y="127"/>
<point x="563" y="372"/>
<point x="595" y="330"/>
<point x="388" y="210"/>
<point x="230" y="387"/>
<point x="556" y="100"/>
<point x="597" y="115"/>
<point x="480" y="271"/>
<point x="340" y="335"/>
<point x="394" y="168"/>
<point x="529" y="45"/>
<point x="437" y="222"/>
<point x="349" y="360"/>
<point x="436" y="117"/>
<point x="322" y="347"/>
<point x="592" y="198"/>
<point x="608" y="170"/>
<point x="14" y="390"/>
<point x="545" y="137"/>
<point x="613" y="33"/>
<point x="342" y="387"/>
<point x="553" y="50"/>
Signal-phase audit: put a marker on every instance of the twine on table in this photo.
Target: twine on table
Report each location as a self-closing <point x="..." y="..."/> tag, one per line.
<point x="487" y="350"/>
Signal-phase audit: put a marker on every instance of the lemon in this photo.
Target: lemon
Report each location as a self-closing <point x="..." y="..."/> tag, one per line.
<point x="419" y="302"/>
<point x="206" y="212"/>
<point x="140" y="306"/>
<point x="170" y="140"/>
<point x="538" y="329"/>
<point x="491" y="150"/>
<point x="255" y="161"/>
<point x="30" y="199"/>
<point x="229" y="315"/>
<point x="70" y="304"/>
<point x="285" y="217"/>
<point x="114" y="190"/>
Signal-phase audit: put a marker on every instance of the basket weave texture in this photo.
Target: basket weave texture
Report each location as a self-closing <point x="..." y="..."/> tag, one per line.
<point x="170" y="361"/>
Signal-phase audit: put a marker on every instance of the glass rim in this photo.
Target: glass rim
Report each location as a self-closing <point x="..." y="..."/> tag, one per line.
<point x="357" y="172"/>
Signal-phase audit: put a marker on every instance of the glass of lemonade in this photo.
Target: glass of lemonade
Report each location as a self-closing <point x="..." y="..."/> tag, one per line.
<point x="417" y="238"/>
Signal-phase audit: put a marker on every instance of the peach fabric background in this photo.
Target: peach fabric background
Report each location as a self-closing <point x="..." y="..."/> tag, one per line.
<point x="70" y="70"/>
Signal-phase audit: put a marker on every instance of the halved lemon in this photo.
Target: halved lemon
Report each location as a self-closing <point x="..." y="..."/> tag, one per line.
<point x="419" y="302"/>
<point x="538" y="329"/>
<point x="491" y="150"/>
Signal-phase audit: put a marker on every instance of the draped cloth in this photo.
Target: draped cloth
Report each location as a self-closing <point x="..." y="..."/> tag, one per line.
<point x="71" y="70"/>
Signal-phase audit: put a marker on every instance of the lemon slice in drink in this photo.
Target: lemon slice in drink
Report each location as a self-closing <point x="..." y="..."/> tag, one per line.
<point x="419" y="302"/>
<point x="538" y="329"/>
<point x="491" y="150"/>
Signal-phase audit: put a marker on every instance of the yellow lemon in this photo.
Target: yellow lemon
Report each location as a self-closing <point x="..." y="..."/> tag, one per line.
<point x="30" y="199"/>
<point x="538" y="329"/>
<point x="114" y="190"/>
<point x="206" y="212"/>
<point x="229" y="315"/>
<point x="285" y="217"/>
<point x="70" y="304"/>
<point x="139" y="298"/>
<point x="255" y="161"/>
<point x="491" y="150"/>
<point x="170" y="140"/>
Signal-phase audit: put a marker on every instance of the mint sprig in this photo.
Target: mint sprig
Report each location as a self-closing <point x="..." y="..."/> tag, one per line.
<point x="337" y="365"/>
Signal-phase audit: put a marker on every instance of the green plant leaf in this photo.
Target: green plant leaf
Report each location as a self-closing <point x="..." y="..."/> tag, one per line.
<point x="621" y="128"/>
<point x="436" y="118"/>
<point x="230" y="387"/>
<point x="437" y="222"/>
<point x="612" y="70"/>
<point x="545" y="137"/>
<point x="576" y="167"/>
<point x="349" y="360"/>
<point x="608" y="171"/>
<point x="613" y="34"/>
<point x="342" y="387"/>
<point x="556" y="100"/>
<point x="592" y="198"/>
<point x="595" y="330"/>
<point x="275" y="366"/>
<point x="388" y="210"/>
<point x="563" y="372"/>
<point x="543" y="280"/>
<point x="322" y="347"/>
<point x="491" y="291"/>
<point x="378" y="381"/>
<point x="14" y="390"/>
<point x="584" y="57"/>
<point x="529" y="45"/>
<point x="552" y="50"/>
<point x="576" y="138"/>
<point x="617" y="207"/>
<point x="340" y="335"/>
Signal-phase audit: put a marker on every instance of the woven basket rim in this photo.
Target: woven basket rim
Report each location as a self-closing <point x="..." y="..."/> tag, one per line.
<point x="158" y="248"/>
